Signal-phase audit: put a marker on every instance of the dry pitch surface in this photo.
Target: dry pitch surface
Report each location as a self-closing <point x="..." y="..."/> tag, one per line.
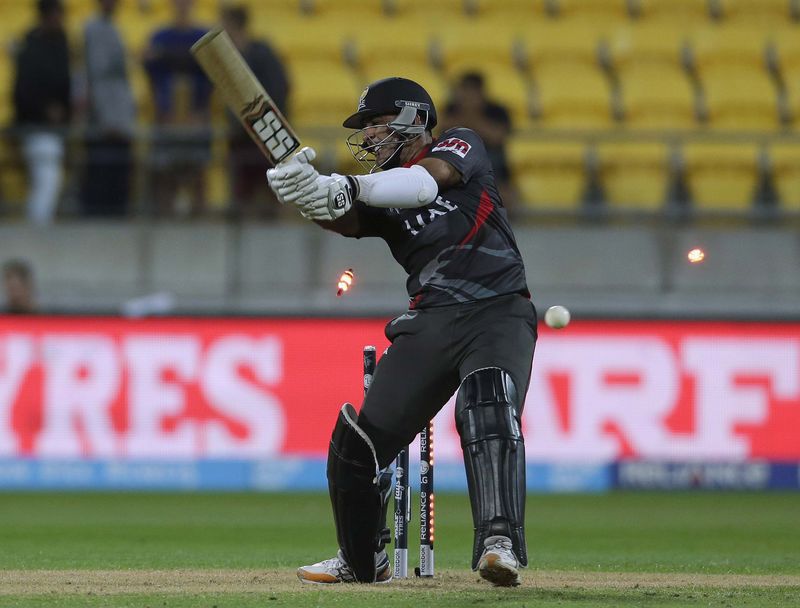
<point x="203" y="581"/>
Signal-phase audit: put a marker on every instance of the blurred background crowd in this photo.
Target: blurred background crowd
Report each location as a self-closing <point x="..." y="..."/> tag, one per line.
<point x="671" y="108"/>
<point x="623" y="132"/>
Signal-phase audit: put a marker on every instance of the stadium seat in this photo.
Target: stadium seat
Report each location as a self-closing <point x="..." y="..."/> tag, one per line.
<point x="767" y="14"/>
<point x="595" y="10"/>
<point x="560" y="42"/>
<point x="13" y="178"/>
<point x="737" y="98"/>
<point x="785" y="163"/>
<point x="504" y="84"/>
<point x="572" y="96"/>
<point x="657" y="96"/>
<point x="793" y="98"/>
<point x="346" y="8"/>
<point x="721" y="176"/>
<point x="548" y="175"/>
<point x="728" y="45"/>
<point x="6" y="87"/>
<point x="323" y="93"/>
<point x="634" y="175"/>
<point x="306" y="38"/>
<point x="476" y="40"/>
<point x="518" y="10"/>
<point x="785" y="54"/>
<point x="390" y="42"/>
<point x="647" y="42"/>
<point x="688" y="12"/>
<point x="421" y="11"/>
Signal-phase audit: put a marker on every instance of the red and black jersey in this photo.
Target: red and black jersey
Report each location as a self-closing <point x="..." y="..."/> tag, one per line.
<point x="461" y="247"/>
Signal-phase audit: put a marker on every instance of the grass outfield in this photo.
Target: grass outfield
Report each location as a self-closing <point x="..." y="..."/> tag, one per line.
<point x="231" y="550"/>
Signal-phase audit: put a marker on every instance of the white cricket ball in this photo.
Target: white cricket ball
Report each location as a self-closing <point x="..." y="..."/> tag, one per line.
<point x="557" y="317"/>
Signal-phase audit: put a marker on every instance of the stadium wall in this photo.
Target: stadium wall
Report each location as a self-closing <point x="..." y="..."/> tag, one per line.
<point x="248" y="404"/>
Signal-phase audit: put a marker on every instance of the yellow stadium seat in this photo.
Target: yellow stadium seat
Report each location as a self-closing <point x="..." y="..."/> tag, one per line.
<point x="728" y="46"/>
<point x="721" y="176"/>
<point x="421" y="11"/>
<point x="323" y="93"/>
<point x="557" y="41"/>
<point x="518" y="10"/>
<point x="423" y="74"/>
<point x="352" y="9"/>
<point x="657" y="96"/>
<point x="767" y="14"/>
<point x="573" y="96"/>
<point x="391" y="42"/>
<point x="686" y="11"/>
<point x="476" y="40"/>
<point x="13" y="178"/>
<point x="7" y="75"/>
<point x="785" y="163"/>
<point x="605" y="10"/>
<point x="142" y="93"/>
<point x="647" y="42"/>
<point x="548" y="175"/>
<point x="504" y="84"/>
<point x="740" y="99"/>
<point x="786" y="51"/>
<point x="634" y="175"/>
<point x="792" y="80"/>
<point x="307" y="38"/>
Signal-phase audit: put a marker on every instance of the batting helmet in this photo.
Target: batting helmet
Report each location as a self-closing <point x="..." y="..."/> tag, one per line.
<point x="393" y="96"/>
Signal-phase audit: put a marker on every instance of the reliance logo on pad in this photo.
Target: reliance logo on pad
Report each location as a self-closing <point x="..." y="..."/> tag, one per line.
<point x="454" y="145"/>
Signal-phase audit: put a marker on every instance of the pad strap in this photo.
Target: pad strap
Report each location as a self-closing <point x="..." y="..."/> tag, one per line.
<point x="488" y="421"/>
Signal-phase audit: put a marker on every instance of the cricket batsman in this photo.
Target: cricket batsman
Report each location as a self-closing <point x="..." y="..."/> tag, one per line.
<point x="470" y="327"/>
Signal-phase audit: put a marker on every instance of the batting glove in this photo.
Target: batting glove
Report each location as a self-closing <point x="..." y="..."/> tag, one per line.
<point x="331" y="199"/>
<point x="294" y="178"/>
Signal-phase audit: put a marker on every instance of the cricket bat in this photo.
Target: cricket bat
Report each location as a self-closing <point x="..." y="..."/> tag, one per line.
<point x="243" y="94"/>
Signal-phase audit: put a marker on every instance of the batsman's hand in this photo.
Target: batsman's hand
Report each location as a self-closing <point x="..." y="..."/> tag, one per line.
<point x="295" y="177"/>
<point x="332" y="198"/>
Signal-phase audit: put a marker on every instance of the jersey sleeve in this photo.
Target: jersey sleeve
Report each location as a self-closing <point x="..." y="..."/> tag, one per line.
<point x="462" y="148"/>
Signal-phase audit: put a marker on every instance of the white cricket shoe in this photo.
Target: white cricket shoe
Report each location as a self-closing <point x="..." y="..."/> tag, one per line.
<point x="498" y="564"/>
<point x="336" y="570"/>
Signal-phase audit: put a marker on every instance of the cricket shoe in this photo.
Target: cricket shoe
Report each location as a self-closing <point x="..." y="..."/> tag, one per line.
<point x="498" y="564"/>
<point x="336" y="570"/>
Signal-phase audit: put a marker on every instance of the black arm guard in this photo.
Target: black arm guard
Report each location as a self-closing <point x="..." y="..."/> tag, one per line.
<point x="359" y="495"/>
<point x="487" y="418"/>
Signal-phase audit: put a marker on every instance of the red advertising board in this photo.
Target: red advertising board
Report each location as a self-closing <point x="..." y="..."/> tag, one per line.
<point x="255" y="388"/>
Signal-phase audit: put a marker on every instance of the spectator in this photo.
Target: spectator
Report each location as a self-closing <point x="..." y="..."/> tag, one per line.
<point x="182" y="145"/>
<point x="18" y="287"/>
<point x="248" y="165"/>
<point x="111" y="119"/>
<point x="42" y="94"/>
<point x="470" y="107"/>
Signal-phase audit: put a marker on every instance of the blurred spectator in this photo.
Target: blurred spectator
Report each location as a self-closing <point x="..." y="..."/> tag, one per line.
<point x="248" y="165"/>
<point x="470" y="107"/>
<point x="18" y="287"/>
<point x="182" y="144"/>
<point x="42" y="93"/>
<point x="111" y="119"/>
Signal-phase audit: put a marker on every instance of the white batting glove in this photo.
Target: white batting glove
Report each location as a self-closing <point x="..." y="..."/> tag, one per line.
<point x="295" y="177"/>
<point x="330" y="200"/>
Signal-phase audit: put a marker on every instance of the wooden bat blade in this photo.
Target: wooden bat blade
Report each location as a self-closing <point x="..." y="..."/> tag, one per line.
<point x="243" y="94"/>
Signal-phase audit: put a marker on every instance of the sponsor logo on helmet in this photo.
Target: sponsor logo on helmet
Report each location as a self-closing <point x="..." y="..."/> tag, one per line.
<point x="419" y="105"/>
<point x="454" y="145"/>
<point x="361" y="100"/>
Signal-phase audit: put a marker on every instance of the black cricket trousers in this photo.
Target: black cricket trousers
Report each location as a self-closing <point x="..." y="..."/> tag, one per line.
<point x="431" y="351"/>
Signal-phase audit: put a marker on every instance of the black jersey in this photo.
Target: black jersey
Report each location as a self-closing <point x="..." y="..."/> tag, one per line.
<point x="459" y="248"/>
